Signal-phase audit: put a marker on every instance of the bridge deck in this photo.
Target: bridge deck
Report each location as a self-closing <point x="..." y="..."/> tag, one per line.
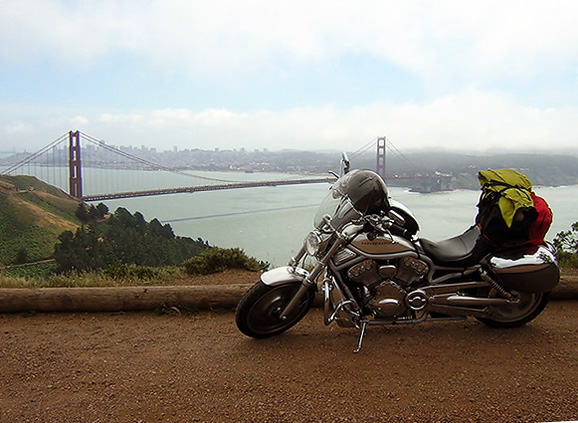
<point x="164" y="191"/>
<point x="52" y="153"/>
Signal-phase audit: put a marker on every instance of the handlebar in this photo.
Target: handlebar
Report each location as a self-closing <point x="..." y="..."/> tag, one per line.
<point x="386" y="224"/>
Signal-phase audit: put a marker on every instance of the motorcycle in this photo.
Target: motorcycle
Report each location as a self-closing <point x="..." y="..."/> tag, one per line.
<point x="373" y="269"/>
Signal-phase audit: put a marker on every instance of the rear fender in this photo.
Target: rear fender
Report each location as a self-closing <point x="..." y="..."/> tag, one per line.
<point x="281" y="275"/>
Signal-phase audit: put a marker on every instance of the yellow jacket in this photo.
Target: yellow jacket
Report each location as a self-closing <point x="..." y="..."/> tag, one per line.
<point x="512" y="186"/>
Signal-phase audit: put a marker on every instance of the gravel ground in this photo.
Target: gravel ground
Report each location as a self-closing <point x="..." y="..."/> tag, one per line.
<point x="143" y="367"/>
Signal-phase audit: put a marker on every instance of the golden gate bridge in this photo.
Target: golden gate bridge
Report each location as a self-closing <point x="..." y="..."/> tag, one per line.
<point x="88" y="173"/>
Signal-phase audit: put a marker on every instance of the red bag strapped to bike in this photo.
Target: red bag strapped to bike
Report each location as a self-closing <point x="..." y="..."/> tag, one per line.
<point x="510" y="213"/>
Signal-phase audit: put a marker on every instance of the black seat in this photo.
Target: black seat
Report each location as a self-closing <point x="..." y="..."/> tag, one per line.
<point x="461" y="251"/>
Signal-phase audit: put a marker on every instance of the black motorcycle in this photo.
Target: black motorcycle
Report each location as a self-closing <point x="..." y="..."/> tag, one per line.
<point x="374" y="270"/>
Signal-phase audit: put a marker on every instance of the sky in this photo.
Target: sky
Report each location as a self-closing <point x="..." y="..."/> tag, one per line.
<point x="457" y="75"/>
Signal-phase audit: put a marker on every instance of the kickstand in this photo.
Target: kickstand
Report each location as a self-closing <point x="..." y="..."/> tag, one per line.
<point x="361" y="335"/>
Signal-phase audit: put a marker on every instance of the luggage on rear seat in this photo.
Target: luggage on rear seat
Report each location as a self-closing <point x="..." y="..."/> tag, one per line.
<point x="510" y="213"/>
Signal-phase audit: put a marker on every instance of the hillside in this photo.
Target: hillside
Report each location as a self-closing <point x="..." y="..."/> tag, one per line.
<point x="32" y="215"/>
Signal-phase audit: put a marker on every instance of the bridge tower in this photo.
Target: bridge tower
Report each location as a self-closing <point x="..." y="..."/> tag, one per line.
<point x="74" y="165"/>
<point x="380" y="167"/>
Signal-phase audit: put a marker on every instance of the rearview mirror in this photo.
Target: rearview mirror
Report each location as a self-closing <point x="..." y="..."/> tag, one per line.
<point x="344" y="163"/>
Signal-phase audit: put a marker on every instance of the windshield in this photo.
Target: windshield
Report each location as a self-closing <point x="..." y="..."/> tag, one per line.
<point x="338" y="207"/>
<point x="357" y="193"/>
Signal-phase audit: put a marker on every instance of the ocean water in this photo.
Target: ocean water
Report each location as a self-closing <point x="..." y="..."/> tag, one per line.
<point x="270" y="223"/>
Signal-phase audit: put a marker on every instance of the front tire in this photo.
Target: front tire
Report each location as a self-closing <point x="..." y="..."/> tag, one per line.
<point x="258" y="313"/>
<point x="514" y="315"/>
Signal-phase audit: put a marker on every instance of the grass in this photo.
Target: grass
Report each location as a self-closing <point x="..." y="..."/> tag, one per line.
<point x="32" y="215"/>
<point x="42" y="275"/>
<point x="130" y="275"/>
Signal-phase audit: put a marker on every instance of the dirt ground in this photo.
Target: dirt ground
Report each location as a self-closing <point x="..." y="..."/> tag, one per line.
<point x="144" y="367"/>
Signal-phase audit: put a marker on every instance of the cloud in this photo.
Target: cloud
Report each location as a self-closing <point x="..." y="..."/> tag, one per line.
<point x="79" y="121"/>
<point x="468" y="56"/>
<point x="17" y="128"/>
<point x="440" y="41"/>
<point x="34" y="30"/>
<point x="471" y="121"/>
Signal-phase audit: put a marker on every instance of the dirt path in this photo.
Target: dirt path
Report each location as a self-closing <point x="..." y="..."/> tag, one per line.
<point x="142" y="367"/>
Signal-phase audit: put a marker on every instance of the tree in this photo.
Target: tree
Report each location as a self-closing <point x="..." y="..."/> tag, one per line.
<point x="91" y="213"/>
<point x="124" y="218"/>
<point x="101" y="210"/>
<point x="157" y="229"/>
<point x="82" y="214"/>
<point x="566" y="243"/>
<point x="123" y="239"/>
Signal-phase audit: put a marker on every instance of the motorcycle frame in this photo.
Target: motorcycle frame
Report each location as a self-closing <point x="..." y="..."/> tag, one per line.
<point x="437" y="296"/>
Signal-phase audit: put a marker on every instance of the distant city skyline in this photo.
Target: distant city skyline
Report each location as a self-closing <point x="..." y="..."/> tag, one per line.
<point x="571" y="150"/>
<point x="324" y="75"/>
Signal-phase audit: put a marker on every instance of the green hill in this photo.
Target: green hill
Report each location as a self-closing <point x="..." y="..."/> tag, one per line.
<point x="32" y="215"/>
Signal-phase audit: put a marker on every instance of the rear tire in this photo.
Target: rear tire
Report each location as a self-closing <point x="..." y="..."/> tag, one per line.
<point x="258" y="312"/>
<point x="514" y="315"/>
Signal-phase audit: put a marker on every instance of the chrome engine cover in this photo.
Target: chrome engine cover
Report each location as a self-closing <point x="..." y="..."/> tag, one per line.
<point x="385" y="285"/>
<point x="388" y="301"/>
<point x="410" y="270"/>
<point x="365" y="273"/>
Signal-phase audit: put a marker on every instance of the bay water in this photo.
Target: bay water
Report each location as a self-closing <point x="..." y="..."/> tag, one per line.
<point x="270" y="223"/>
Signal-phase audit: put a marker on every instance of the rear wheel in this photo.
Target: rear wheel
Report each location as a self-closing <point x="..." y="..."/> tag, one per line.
<point x="516" y="314"/>
<point x="258" y="313"/>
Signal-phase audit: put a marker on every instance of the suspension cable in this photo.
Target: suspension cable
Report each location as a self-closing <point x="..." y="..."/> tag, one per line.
<point x="399" y="154"/>
<point x="33" y="156"/>
<point x="363" y="149"/>
<point x="116" y="150"/>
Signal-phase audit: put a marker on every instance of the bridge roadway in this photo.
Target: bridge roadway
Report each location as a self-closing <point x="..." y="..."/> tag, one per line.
<point x="164" y="191"/>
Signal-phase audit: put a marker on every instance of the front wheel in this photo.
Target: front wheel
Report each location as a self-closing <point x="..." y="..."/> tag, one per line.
<point x="527" y="308"/>
<point x="258" y="312"/>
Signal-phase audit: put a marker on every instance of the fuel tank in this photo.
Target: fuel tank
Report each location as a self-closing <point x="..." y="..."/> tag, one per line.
<point x="383" y="244"/>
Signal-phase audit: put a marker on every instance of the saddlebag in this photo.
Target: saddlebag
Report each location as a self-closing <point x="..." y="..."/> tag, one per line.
<point x="530" y="269"/>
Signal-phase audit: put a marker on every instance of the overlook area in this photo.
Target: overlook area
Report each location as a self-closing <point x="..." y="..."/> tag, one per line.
<point x="145" y="367"/>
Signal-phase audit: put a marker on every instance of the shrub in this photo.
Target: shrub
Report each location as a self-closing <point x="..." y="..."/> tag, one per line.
<point x="566" y="243"/>
<point x="130" y="271"/>
<point x="41" y="270"/>
<point x="21" y="256"/>
<point x="567" y="260"/>
<point x="217" y="259"/>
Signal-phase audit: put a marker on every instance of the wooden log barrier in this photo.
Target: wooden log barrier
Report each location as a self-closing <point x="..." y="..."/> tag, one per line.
<point x="118" y="298"/>
<point x="567" y="288"/>
<point x="15" y="300"/>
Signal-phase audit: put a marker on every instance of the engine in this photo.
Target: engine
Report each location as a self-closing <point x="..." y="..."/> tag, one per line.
<point x="383" y="286"/>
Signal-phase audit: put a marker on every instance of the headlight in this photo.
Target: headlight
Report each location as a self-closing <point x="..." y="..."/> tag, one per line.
<point x="313" y="243"/>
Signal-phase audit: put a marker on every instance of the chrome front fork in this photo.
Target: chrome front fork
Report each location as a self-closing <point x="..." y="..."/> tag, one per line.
<point x="309" y="281"/>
